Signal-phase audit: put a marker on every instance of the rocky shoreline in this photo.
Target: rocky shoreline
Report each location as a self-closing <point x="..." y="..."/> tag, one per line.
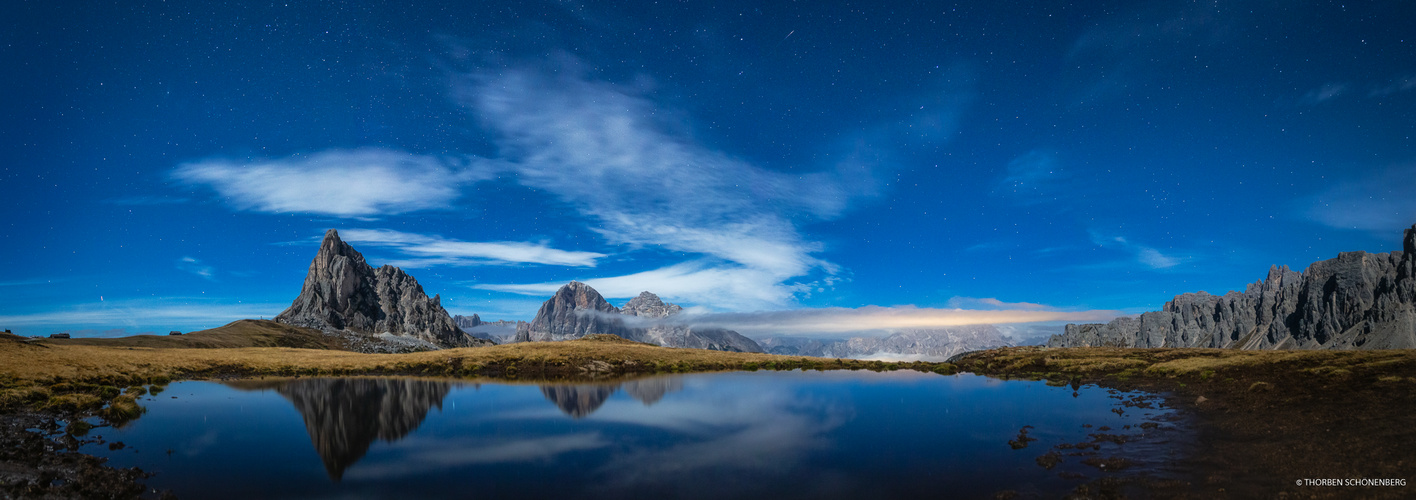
<point x="39" y="458"/>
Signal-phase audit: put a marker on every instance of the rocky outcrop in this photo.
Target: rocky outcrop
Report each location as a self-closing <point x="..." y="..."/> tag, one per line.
<point x="932" y="344"/>
<point x="648" y="305"/>
<point x="467" y="322"/>
<point x="342" y="292"/>
<point x="578" y="310"/>
<point x="1358" y="300"/>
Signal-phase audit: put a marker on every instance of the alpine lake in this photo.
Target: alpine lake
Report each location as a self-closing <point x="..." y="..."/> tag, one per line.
<point x="797" y="434"/>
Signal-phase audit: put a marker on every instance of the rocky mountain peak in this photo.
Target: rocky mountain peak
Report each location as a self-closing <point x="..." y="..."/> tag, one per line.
<point x="342" y="292"/>
<point x="573" y="312"/>
<point x="583" y="297"/>
<point x="648" y="305"/>
<point x="577" y="310"/>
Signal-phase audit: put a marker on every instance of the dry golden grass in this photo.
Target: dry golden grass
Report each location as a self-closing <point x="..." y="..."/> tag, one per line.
<point x="1093" y="362"/>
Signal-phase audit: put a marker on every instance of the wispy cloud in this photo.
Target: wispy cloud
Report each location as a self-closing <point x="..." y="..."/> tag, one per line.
<point x="1377" y="202"/>
<point x="1402" y="84"/>
<point x="993" y="304"/>
<point x="195" y="266"/>
<point x="135" y="313"/>
<point x="1324" y="93"/>
<point x="864" y="320"/>
<point x="727" y="287"/>
<point x="1036" y="177"/>
<point x="148" y="200"/>
<point x="1147" y="255"/>
<point x="610" y="153"/>
<point x="431" y="250"/>
<point x="341" y="183"/>
<point x="417" y="455"/>
<point x="35" y="281"/>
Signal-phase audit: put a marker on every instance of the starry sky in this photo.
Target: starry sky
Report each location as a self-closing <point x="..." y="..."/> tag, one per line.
<point x="826" y="167"/>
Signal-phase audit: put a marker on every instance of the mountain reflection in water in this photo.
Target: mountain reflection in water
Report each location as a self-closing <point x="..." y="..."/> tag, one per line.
<point x="719" y="435"/>
<point x="581" y="400"/>
<point x="345" y="415"/>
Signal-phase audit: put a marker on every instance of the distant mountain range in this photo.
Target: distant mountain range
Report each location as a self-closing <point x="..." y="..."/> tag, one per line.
<point x="1358" y="300"/>
<point x="932" y="344"/>
<point x="501" y="331"/>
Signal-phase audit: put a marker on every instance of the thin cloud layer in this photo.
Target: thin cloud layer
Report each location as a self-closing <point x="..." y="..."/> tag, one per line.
<point x="1380" y="202"/>
<point x="340" y="183"/>
<point x="839" y="320"/>
<point x="133" y="313"/>
<point x="433" y="250"/>
<point x="723" y="286"/>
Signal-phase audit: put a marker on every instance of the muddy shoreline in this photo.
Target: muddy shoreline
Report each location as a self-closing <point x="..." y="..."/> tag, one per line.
<point x="38" y="459"/>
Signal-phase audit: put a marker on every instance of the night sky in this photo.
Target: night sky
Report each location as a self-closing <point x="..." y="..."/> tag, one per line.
<point x="172" y="165"/>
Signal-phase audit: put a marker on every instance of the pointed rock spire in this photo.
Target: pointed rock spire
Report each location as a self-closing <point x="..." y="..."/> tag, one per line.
<point x="342" y="292"/>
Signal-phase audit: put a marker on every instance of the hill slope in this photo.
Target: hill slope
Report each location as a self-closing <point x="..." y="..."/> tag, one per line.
<point x="241" y="333"/>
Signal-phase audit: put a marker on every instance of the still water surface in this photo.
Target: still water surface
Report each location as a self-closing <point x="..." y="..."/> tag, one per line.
<point x="739" y="434"/>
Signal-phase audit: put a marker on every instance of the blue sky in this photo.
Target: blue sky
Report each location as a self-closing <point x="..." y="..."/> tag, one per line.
<point x="173" y="165"/>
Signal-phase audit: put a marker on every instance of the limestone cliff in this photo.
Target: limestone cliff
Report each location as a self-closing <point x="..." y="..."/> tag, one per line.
<point x="1358" y="300"/>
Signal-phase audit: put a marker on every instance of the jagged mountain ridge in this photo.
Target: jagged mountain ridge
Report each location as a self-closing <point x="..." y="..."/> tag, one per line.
<point x="931" y="344"/>
<point x="343" y="292"/>
<point x="1358" y="300"/>
<point x="577" y="310"/>
<point x="500" y="331"/>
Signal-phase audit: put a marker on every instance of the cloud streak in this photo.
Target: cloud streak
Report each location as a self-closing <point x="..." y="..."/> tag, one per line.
<point x="429" y="250"/>
<point x="724" y="286"/>
<point x="838" y="320"/>
<point x="342" y="183"/>
<point x="609" y="153"/>
<point x="195" y="266"/>
<point x="1149" y="256"/>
